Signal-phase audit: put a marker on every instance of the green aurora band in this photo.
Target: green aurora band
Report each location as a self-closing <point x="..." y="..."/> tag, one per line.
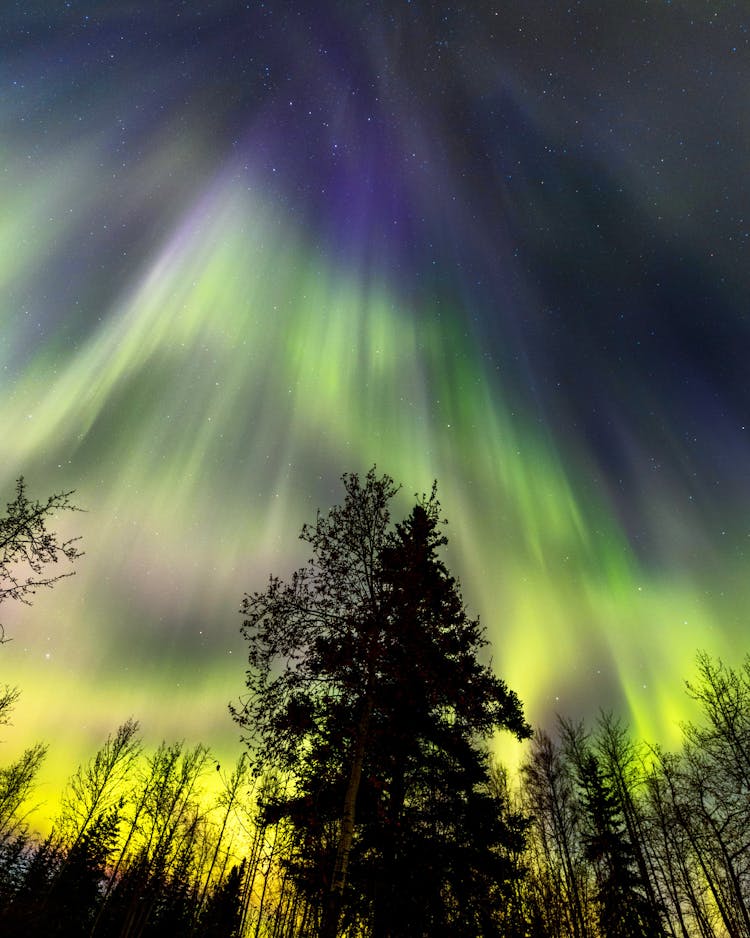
<point x="245" y="249"/>
<point x="199" y="424"/>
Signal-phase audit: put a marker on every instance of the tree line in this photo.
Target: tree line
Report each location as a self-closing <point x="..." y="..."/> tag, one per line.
<point x="627" y="839"/>
<point x="367" y="801"/>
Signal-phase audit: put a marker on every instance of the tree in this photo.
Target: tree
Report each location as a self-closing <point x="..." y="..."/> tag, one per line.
<point x="16" y="784"/>
<point x="714" y="785"/>
<point x="561" y="882"/>
<point x="165" y="818"/>
<point x="366" y="690"/>
<point x="626" y="906"/>
<point x="97" y="786"/>
<point x="75" y="895"/>
<point x="623" y="765"/>
<point x="28" y="549"/>
<point x="222" y="913"/>
<point x="624" y="911"/>
<point x="232" y="793"/>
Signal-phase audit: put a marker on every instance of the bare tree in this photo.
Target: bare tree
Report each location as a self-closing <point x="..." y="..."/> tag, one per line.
<point x="97" y="786"/>
<point x="28" y="549"/>
<point x="16" y="783"/>
<point x="564" y="879"/>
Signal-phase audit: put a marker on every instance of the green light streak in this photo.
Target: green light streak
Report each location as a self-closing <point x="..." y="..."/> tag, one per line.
<point x="202" y="422"/>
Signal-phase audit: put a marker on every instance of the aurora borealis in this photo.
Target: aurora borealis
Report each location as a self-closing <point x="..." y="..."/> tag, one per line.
<point x="247" y="247"/>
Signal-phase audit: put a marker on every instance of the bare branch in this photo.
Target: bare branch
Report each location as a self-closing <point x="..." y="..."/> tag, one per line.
<point x="29" y="549"/>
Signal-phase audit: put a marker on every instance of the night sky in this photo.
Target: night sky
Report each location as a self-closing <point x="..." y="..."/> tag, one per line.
<point x="245" y="247"/>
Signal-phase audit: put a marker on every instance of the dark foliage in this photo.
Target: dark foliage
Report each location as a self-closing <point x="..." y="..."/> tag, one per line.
<point x="367" y="687"/>
<point x="222" y="915"/>
<point x="374" y="810"/>
<point x="624" y="909"/>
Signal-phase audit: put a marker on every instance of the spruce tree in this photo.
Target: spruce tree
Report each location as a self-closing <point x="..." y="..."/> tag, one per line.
<point x="624" y="909"/>
<point x="367" y="690"/>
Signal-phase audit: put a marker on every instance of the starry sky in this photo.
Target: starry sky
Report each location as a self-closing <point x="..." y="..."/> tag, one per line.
<point x="245" y="247"/>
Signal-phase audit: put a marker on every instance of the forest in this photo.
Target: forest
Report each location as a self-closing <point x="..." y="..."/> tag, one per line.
<point x="366" y="800"/>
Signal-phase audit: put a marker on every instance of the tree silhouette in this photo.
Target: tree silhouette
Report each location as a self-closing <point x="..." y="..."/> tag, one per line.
<point x="624" y="911"/>
<point x="16" y="783"/>
<point x="95" y="787"/>
<point x="560" y="888"/>
<point x="28" y="549"/>
<point x="367" y="690"/>
<point x="72" y="902"/>
<point x="625" y="908"/>
<point x="223" y="911"/>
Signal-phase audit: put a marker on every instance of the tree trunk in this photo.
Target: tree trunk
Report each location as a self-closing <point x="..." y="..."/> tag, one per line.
<point x="386" y="910"/>
<point x="332" y="911"/>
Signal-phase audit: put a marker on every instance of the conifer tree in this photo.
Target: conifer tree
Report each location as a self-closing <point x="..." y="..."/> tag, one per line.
<point x="625" y="909"/>
<point x="223" y="911"/>
<point x="367" y="689"/>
